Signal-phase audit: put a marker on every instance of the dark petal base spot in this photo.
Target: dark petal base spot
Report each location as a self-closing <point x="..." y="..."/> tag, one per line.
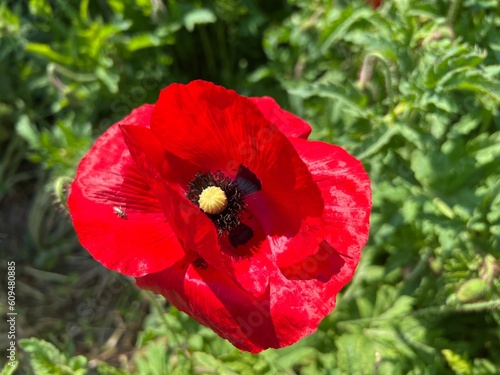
<point x="229" y="218"/>
<point x="236" y="238"/>
<point x="200" y="263"/>
<point x="240" y="235"/>
<point x="247" y="180"/>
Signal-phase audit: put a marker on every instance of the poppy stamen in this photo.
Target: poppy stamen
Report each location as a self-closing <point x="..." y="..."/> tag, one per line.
<point x="219" y="197"/>
<point x="213" y="200"/>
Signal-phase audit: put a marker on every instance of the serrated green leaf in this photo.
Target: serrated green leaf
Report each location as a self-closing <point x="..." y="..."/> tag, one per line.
<point x="340" y="29"/>
<point x="105" y="369"/>
<point x="378" y="143"/>
<point x="45" y="358"/>
<point x="365" y="307"/>
<point x="459" y="365"/>
<point x="356" y="354"/>
<point x="206" y="360"/>
<point x="296" y="356"/>
<point x="154" y="361"/>
<point x="472" y="290"/>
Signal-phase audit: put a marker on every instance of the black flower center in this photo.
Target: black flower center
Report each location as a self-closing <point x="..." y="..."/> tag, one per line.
<point x="223" y="200"/>
<point x="228" y="218"/>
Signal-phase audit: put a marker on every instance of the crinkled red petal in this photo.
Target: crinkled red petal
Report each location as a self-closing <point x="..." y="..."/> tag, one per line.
<point x="116" y="216"/>
<point x="168" y="177"/>
<point x="218" y="129"/>
<point x="289" y="124"/>
<point x="215" y="300"/>
<point x="310" y="219"/>
<point x="345" y="187"/>
<point x="337" y="239"/>
<point x="164" y="173"/>
<point x="303" y="291"/>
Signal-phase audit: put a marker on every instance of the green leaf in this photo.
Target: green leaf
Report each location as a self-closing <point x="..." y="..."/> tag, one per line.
<point x="118" y="6"/>
<point x="377" y="143"/>
<point x="459" y="365"/>
<point x="45" y="358"/>
<point x="472" y="290"/>
<point x="356" y="354"/>
<point x="105" y="369"/>
<point x="198" y="17"/>
<point x="9" y="369"/>
<point x="154" y="361"/>
<point x="206" y="361"/>
<point x="339" y="29"/>
<point x="110" y="79"/>
<point x="46" y="51"/>
<point x="488" y="154"/>
<point x="465" y="125"/>
<point x="478" y="86"/>
<point x="296" y="356"/>
<point x="365" y="307"/>
<point x="400" y="308"/>
<point x="28" y="131"/>
<point x="40" y="7"/>
<point x="141" y="41"/>
<point x="84" y="8"/>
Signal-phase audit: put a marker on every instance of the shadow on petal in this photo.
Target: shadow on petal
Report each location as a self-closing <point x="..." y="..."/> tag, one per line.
<point x="216" y="301"/>
<point x="322" y="265"/>
<point x="248" y="324"/>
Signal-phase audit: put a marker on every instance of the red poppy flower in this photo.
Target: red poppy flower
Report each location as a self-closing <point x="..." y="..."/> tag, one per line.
<point x="218" y="202"/>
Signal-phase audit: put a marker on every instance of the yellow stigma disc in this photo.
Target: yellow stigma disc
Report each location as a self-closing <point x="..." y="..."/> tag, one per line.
<point x="213" y="200"/>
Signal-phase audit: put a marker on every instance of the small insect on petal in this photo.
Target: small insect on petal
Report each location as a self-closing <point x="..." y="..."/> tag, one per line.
<point x="119" y="211"/>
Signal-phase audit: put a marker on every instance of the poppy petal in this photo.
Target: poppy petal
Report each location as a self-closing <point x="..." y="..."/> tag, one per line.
<point x="345" y="187"/>
<point x="213" y="138"/>
<point x="337" y="238"/>
<point x="295" y="317"/>
<point x="278" y="318"/>
<point x="164" y="173"/>
<point x="344" y="224"/>
<point x="290" y="250"/>
<point x="166" y="177"/>
<point x="289" y="124"/>
<point x="268" y="280"/>
<point x="214" y="300"/>
<point x="110" y="203"/>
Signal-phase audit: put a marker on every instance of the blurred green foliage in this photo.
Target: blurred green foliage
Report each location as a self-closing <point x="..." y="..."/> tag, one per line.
<point x="412" y="89"/>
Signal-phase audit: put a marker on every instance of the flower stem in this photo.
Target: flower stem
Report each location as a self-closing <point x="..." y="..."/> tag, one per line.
<point x="367" y="71"/>
<point x="453" y="11"/>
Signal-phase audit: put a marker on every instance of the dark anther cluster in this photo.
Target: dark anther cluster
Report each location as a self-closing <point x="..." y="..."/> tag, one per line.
<point x="246" y="183"/>
<point x="229" y="218"/>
